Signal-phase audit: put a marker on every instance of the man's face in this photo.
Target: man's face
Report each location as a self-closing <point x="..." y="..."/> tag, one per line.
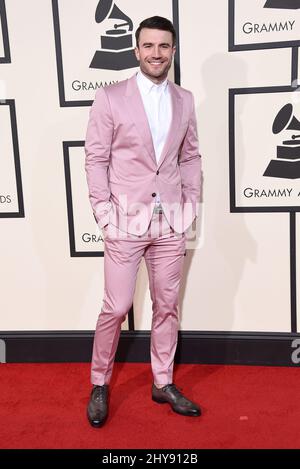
<point x="155" y="53"/>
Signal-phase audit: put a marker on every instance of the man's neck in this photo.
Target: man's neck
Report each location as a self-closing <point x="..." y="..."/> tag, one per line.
<point x="156" y="81"/>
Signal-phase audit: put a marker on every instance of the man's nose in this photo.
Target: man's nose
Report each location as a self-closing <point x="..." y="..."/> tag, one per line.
<point x="156" y="53"/>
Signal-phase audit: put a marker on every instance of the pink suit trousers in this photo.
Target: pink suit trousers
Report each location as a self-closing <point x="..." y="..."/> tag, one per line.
<point x="163" y="250"/>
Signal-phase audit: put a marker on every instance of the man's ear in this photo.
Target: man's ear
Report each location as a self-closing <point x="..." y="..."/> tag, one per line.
<point x="137" y="53"/>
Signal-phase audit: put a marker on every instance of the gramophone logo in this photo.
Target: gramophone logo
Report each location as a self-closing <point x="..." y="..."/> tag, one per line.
<point x="283" y="4"/>
<point x="102" y="32"/>
<point x="117" y="51"/>
<point x="287" y="163"/>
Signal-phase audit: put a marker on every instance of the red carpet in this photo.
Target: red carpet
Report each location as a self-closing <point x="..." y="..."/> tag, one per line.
<point x="44" y="405"/>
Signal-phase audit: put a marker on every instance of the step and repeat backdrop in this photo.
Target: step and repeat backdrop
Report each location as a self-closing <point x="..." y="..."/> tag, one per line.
<point x="241" y="61"/>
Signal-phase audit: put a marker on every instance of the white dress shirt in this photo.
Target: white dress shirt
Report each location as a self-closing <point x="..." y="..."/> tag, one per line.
<point x="158" y="107"/>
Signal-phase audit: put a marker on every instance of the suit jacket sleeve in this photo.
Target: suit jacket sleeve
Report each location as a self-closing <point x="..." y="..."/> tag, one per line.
<point x="97" y="149"/>
<point x="190" y="164"/>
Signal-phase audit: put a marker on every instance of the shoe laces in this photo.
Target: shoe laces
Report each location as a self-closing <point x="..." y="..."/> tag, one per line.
<point x="100" y="393"/>
<point x="177" y="394"/>
<point x="174" y="389"/>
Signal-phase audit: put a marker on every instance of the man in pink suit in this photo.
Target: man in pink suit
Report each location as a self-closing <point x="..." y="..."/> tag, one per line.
<point x="143" y="172"/>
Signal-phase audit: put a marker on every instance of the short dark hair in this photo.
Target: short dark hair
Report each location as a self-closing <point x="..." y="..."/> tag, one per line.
<point x="156" y="22"/>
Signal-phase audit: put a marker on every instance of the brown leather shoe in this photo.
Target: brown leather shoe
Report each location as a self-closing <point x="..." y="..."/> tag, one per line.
<point x="97" y="410"/>
<point x="176" y="399"/>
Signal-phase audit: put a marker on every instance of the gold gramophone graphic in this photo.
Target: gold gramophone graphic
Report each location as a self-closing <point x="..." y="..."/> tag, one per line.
<point x="117" y="51"/>
<point x="287" y="163"/>
<point x="283" y="4"/>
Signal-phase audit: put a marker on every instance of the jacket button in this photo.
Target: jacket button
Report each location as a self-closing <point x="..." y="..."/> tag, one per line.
<point x="157" y="172"/>
<point x="153" y="194"/>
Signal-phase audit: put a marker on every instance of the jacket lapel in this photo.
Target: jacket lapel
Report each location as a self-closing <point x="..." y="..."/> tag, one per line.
<point x="176" y="101"/>
<point x="136" y="110"/>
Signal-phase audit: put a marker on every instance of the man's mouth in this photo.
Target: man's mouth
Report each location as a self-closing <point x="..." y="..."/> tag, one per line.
<point x="155" y="62"/>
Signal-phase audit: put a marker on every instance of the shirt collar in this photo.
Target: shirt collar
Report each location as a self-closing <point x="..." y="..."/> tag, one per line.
<point x="147" y="85"/>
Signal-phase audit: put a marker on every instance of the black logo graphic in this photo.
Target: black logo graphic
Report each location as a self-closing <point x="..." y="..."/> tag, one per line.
<point x="287" y="164"/>
<point x="283" y="4"/>
<point x="117" y="51"/>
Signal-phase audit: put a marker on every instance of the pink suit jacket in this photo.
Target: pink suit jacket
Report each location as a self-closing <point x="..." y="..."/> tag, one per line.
<point x="122" y="173"/>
